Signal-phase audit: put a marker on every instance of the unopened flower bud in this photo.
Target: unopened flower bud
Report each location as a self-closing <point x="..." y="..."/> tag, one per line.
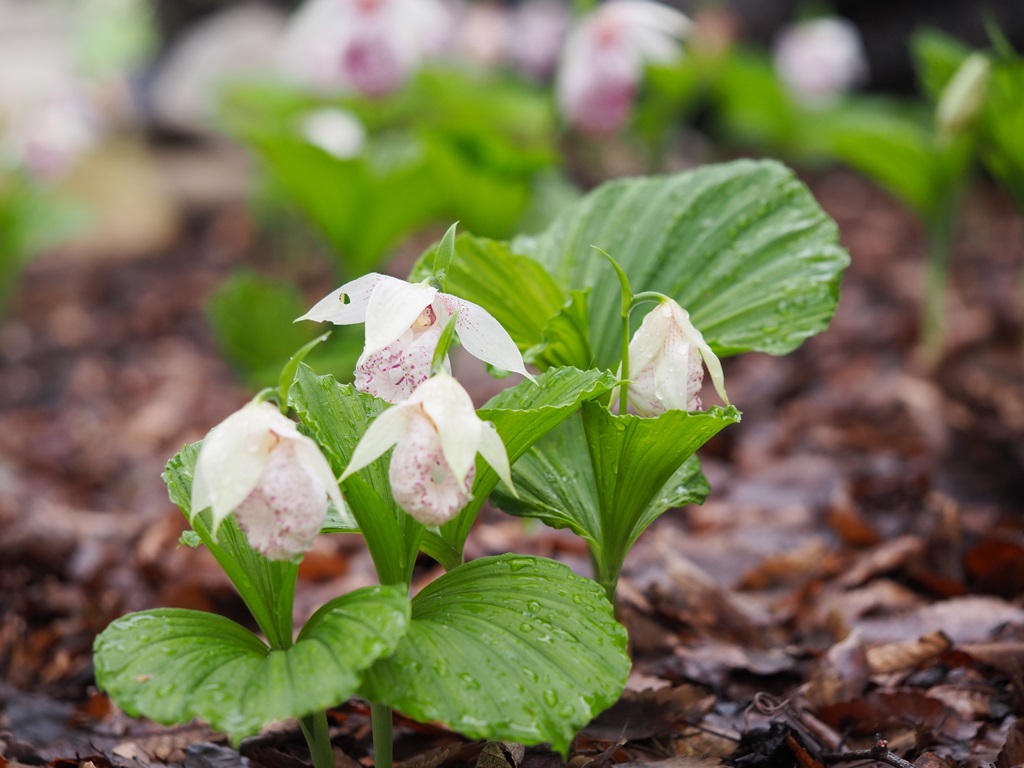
<point x="666" y="363"/>
<point x="963" y="97"/>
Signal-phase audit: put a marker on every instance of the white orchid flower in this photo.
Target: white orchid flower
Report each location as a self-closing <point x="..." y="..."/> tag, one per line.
<point x="437" y="435"/>
<point x="258" y="465"/>
<point x="605" y="56"/>
<point x="820" y="59"/>
<point x="666" y="363"/>
<point x="403" y="325"/>
<point x="368" y="46"/>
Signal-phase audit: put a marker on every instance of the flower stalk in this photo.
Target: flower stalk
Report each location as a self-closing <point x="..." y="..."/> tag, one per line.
<point x="315" y="729"/>
<point x="382" y="725"/>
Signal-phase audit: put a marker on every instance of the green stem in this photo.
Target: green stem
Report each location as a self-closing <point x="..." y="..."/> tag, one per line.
<point x="383" y="738"/>
<point x="627" y="305"/>
<point x="624" y="388"/>
<point x="937" y="280"/>
<point x="1020" y="296"/>
<point x="606" y="574"/>
<point x="314" y="728"/>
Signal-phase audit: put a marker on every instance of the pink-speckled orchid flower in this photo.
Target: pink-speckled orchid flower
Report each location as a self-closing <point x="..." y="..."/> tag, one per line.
<point x="604" y="59"/>
<point x="258" y="465"/>
<point x="437" y="435"/>
<point x="667" y="356"/>
<point x="368" y="46"/>
<point x="403" y="326"/>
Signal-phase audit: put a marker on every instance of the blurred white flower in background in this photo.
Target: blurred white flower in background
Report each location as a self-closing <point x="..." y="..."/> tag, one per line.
<point x="820" y="60"/>
<point x="604" y="59"/>
<point x="336" y="131"/>
<point x="484" y="33"/>
<point x="368" y="46"/>
<point x="537" y="33"/>
<point x="46" y="136"/>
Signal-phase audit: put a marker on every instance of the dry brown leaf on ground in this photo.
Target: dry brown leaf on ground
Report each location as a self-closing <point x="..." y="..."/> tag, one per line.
<point x="651" y="713"/>
<point x="903" y="656"/>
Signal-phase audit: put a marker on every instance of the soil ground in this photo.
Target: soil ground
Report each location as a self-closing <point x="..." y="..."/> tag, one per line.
<point x="857" y="570"/>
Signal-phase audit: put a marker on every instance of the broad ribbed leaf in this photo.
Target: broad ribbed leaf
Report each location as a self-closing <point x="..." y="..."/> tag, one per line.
<point x="608" y="477"/>
<point x="364" y="205"/>
<point x="484" y="272"/>
<point x="338" y="415"/>
<point x="266" y="586"/>
<point x="522" y="415"/>
<point x="508" y="648"/>
<point x="742" y="246"/>
<point x="172" y="665"/>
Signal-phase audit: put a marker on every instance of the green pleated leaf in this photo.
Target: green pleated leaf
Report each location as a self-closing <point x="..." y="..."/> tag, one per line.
<point x="363" y="205"/>
<point x="483" y="270"/>
<point x="743" y="246"/>
<point x="522" y="415"/>
<point x="337" y="415"/>
<point x="566" y="337"/>
<point x="172" y="665"/>
<point x="508" y="648"/>
<point x="251" y="319"/>
<point x="608" y="477"/>
<point x="266" y="586"/>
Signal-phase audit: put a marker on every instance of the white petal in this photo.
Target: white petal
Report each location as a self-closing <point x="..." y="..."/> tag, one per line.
<point x="451" y="410"/>
<point x="232" y="458"/>
<point x="394" y="306"/>
<point x="482" y="335"/>
<point x="334" y="308"/>
<point x="386" y="430"/>
<point x="677" y="373"/>
<point x="710" y="359"/>
<point x="492" y="448"/>
<point x="649" y="339"/>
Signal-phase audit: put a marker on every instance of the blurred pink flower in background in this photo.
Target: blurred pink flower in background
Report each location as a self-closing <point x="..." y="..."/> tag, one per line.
<point x="368" y="46"/>
<point x="820" y="60"/>
<point x="46" y="136"/>
<point x="538" y="30"/>
<point x="604" y="59"/>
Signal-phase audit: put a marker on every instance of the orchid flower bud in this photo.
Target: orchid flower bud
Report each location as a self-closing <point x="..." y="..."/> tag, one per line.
<point x="963" y="97"/>
<point x="258" y="465"/>
<point x="667" y="356"/>
<point x="403" y="326"/>
<point x="605" y="56"/>
<point x="820" y="59"/>
<point x="437" y="435"/>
